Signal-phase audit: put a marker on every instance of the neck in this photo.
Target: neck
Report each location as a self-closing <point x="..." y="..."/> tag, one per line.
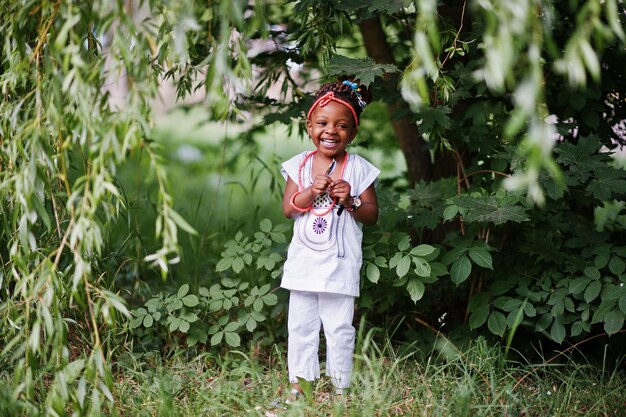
<point x="338" y="158"/>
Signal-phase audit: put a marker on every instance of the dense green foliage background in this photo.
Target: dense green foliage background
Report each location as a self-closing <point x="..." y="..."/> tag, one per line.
<point x="497" y="126"/>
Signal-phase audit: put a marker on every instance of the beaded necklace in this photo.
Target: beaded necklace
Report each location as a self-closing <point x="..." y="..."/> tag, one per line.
<point x="301" y="186"/>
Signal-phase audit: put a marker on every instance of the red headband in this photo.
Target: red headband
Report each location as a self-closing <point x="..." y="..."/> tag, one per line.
<point x="327" y="98"/>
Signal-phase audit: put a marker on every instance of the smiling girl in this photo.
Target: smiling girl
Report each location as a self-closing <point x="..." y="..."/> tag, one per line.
<point x="330" y="193"/>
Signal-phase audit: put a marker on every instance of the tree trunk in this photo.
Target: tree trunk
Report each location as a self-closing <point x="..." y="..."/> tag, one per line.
<point x="412" y="144"/>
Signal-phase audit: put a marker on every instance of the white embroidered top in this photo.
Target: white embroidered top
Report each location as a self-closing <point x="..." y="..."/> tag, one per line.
<point x="325" y="252"/>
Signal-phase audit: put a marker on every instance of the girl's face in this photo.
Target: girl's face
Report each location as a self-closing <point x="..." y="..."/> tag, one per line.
<point x="331" y="128"/>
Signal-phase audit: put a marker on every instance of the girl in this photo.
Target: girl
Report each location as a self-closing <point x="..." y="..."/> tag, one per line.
<point x="330" y="193"/>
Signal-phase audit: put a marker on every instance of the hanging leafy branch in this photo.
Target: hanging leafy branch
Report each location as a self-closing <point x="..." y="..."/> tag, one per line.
<point x="64" y="133"/>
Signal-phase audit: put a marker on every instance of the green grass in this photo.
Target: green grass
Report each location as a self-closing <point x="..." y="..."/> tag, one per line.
<point x="476" y="382"/>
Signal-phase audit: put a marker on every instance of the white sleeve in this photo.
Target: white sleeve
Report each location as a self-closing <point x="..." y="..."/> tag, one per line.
<point x="291" y="167"/>
<point x="365" y="174"/>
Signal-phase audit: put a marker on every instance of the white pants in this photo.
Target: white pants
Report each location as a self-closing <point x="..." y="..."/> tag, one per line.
<point x="307" y="312"/>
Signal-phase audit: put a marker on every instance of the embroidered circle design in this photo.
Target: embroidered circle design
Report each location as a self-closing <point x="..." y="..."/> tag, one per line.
<point x="319" y="225"/>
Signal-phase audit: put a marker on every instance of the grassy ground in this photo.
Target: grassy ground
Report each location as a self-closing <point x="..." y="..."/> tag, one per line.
<point x="477" y="382"/>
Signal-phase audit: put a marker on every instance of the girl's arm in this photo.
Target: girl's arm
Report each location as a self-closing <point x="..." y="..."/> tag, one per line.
<point x="305" y="198"/>
<point x="368" y="212"/>
<point x="290" y="188"/>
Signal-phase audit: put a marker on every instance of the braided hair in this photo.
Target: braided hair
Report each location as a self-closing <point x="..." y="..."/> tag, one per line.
<point x="356" y="95"/>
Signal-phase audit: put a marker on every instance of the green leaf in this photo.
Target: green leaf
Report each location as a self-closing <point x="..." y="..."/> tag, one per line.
<point x="403" y="266"/>
<point x="490" y="209"/>
<point x="422" y="267"/>
<point x="620" y="251"/>
<point x="460" y="270"/>
<point x="616" y="265"/>
<point x="68" y="23"/>
<point x="174" y="324"/>
<point x="381" y="261"/>
<point x="249" y="300"/>
<point x="238" y="265"/>
<point x="181" y="222"/>
<point x="136" y="322"/>
<point x="558" y="307"/>
<point x="557" y="332"/>
<point x="216" y="339"/>
<point x="622" y="303"/>
<point x="450" y="212"/>
<point x="544" y="322"/>
<point x="264" y="289"/>
<point x="231" y="327"/>
<point x="422" y="250"/>
<point x="592" y="272"/>
<point x="184" y="326"/>
<point x="478" y="317"/>
<point x="507" y="303"/>
<point x="437" y="269"/>
<point x="592" y="291"/>
<point x="270" y="299"/>
<point x="416" y="289"/>
<point x="404" y="244"/>
<point x="189" y="316"/>
<point x="183" y="290"/>
<point x="266" y="226"/>
<point x="148" y="321"/>
<point x="278" y="237"/>
<point x="481" y="257"/>
<point x="453" y="255"/>
<point x="372" y="272"/>
<point x="364" y="69"/>
<point x="603" y="309"/>
<point x="175" y="305"/>
<point x="613" y="322"/>
<point x="73" y="370"/>
<point x="578" y="285"/>
<point x="432" y="118"/>
<point x="497" y="323"/>
<point x="190" y="300"/>
<point x="602" y="259"/>
<point x="388" y="7"/>
<point x="395" y="259"/>
<point x="530" y="310"/>
<point x="251" y="324"/>
<point x="232" y="339"/>
<point x="607" y="181"/>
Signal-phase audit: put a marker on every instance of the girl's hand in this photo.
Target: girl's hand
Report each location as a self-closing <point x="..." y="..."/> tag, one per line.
<point x="341" y="189"/>
<point x="320" y="184"/>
